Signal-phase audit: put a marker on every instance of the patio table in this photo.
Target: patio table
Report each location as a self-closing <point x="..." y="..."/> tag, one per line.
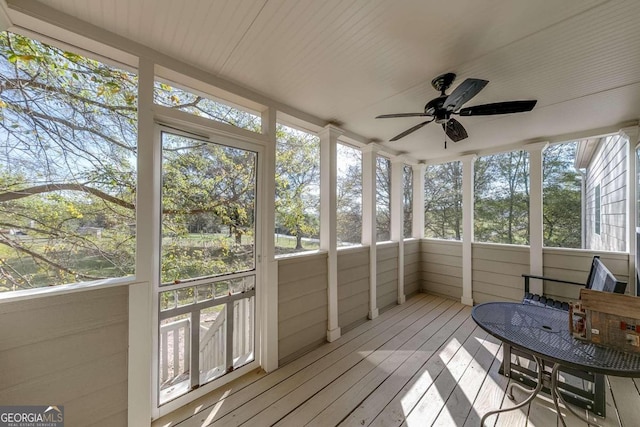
<point x="544" y="333"/>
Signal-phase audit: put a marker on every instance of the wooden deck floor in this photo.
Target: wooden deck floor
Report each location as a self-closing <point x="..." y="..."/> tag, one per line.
<point x="419" y="364"/>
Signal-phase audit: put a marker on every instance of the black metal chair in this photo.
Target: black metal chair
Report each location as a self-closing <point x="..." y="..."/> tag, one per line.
<point x="592" y="396"/>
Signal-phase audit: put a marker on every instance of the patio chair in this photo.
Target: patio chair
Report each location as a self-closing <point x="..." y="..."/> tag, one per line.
<point x="591" y="395"/>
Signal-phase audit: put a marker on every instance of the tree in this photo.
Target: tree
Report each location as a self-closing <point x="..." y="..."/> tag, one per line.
<point x="561" y="197"/>
<point x="407" y="200"/>
<point x="68" y="167"/>
<point x="383" y="199"/>
<point x="443" y="201"/>
<point x="297" y="183"/>
<point x="502" y="198"/>
<point x="349" y="195"/>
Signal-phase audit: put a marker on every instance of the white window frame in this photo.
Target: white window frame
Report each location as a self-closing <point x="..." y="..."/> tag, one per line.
<point x="181" y="123"/>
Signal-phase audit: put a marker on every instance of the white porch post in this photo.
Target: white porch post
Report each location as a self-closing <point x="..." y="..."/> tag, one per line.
<point x="369" y="230"/>
<point x="397" y="218"/>
<point x="328" y="234"/>
<point x="141" y="315"/>
<point x="632" y="208"/>
<point x="467" y="228"/>
<point x="417" y="228"/>
<point x="269" y="313"/>
<point x="536" y="235"/>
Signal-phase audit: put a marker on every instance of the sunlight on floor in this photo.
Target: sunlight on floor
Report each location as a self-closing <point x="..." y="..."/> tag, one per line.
<point x="216" y="408"/>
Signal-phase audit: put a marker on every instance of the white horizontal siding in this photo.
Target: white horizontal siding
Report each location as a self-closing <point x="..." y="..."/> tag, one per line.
<point x="574" y="265"/>
<point x="387" y="275"/>
<point x="497" y="271"/>
<point x="302" y="304"/>
<point x="353" y="286"/>
<point x="68" y="350"/>
<point x="441" y="267"/>
<point x="411" y="266"/>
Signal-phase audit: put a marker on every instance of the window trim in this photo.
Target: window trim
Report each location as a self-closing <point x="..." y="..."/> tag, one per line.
<point x="597" y="220"/>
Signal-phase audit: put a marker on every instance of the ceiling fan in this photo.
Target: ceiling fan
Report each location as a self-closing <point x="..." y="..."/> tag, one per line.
<point x="444" y="106"/>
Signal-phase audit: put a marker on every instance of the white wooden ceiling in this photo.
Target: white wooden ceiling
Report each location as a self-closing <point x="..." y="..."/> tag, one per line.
<point x="350" y="60"/>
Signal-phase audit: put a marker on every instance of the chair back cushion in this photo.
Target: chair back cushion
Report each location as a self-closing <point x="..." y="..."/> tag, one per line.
<point x="601" y="279"/>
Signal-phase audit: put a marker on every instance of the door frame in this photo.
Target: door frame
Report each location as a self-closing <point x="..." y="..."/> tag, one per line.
<point x="194" y="129"/>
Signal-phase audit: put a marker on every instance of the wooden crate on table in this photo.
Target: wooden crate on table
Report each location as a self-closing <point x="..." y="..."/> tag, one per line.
<point x="613" y="320"/>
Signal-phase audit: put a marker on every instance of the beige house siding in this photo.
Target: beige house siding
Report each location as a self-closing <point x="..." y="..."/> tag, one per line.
<point x="497" y="272"/>
<point x="353" y="286"/>
<point x="68" y="350"/>
<point x="441" y="267"/>
<point x="574" y="265"/>
<point x="387" y="275"/>
<point x="608" y="168"/>
<point x="411" y="266"/>
<point x="302" y="304"/>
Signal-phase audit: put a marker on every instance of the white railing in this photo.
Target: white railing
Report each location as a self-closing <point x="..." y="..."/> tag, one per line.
<point x="175" y="349"/>
<point x="175" y="339"/>
<point x="243" y="328"/>
<point x="213" y="342"/>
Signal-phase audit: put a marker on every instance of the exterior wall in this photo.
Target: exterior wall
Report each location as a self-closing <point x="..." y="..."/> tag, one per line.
<point x="68" y="350"/>
<point x="608" y="168"/>
<point x="387" y="275"/>
<point x="302" y="304"/>
<point x="497" y="272"/>
<point x="353" y="286"/>
<point x="411" y="266"/>
<point x="574" y="265"/>
<point x="441" y="267"/>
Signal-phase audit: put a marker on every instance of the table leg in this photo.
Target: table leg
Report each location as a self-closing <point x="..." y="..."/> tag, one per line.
<point x="555" y="394"/>
<point x="532" y="396"/>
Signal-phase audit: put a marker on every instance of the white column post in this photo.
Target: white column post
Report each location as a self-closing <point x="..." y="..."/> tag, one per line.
<point x="269" y="300"/>
<point x="142" y="317"/>
<point x="536" y="235"/>
<point x="369" y="230"/>
<point x="397" y="218"/>
<point x="467" y="228"/>
<point x="417" y="227"/>
<point x="328" y="234"/>
<point x="632" y="207"/>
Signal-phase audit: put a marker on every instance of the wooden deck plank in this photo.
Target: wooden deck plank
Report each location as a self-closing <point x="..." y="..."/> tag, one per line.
<point x="400" y="406"/>
<point x="342" y="407"/>
<point x="422" y="363"/>
<point x="436" y="396"/>
<point x="227" y="403"/>
<point x="460" y="402"/>
<point x="370" y="407"/>
<point x="362" y="377"/>
<point x="322" y="372"/>
<point x="493" y="390"/>
<point x="625" y="395"/>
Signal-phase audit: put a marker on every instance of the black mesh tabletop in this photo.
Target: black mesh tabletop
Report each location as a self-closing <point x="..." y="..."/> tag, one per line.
<point x="544" y="332"/>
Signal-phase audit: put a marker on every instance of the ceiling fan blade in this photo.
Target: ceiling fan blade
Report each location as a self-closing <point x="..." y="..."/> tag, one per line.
<point x="390" y="116"/>
<point x="454" y="130"/>
<point x="410" y="130"/>
<point x="507" y="107"/>
<point x="463" y="93"/>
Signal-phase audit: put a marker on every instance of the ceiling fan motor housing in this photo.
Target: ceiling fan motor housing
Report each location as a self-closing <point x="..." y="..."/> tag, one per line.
<point x="433" y="106"/>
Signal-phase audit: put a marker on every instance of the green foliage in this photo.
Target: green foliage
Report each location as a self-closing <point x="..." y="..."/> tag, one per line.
<point x="297" y="184"/>
<point x="204" y="106"/>
<point x="68" y="175"/>
<point x="502" y="198"/>
<point x="206" y="188"/>
<point x="562" y="197"/>
<point x="349" y="195"/>
<point x="443" y="201"/>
